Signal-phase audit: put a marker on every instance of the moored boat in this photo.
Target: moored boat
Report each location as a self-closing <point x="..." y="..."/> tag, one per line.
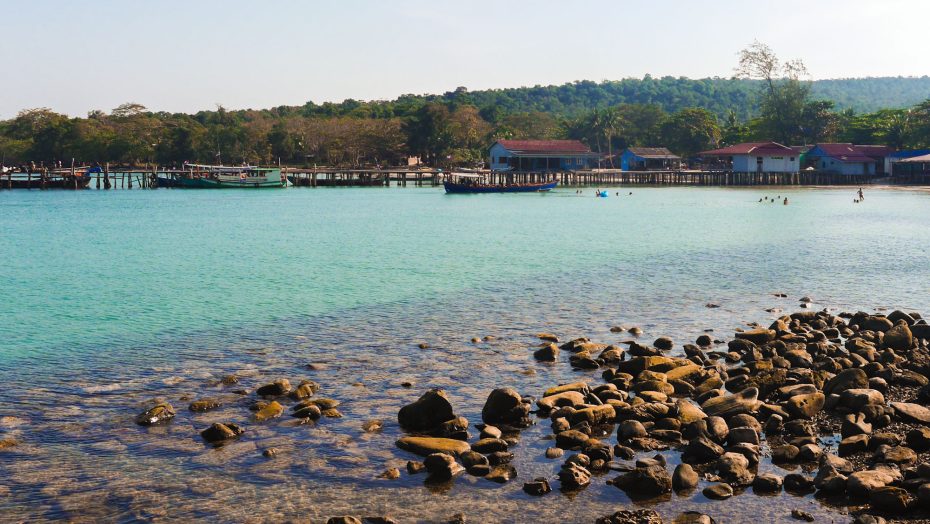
<point x="200" y="176"/>
<point x="477" y="183"/>
<point x="53" y="180"/>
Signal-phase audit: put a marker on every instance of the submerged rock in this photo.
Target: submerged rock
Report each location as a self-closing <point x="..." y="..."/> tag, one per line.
<point x="428" y="445"/>
<point x="219" y="432"/>
<point x="275" y="389"/>
<point x="159" y="414"/>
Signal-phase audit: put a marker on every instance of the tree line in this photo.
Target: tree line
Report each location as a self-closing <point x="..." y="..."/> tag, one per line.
<point x="768" y="99"/>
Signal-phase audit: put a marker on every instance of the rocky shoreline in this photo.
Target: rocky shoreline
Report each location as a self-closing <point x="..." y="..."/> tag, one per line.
<point x="839" y="397"/>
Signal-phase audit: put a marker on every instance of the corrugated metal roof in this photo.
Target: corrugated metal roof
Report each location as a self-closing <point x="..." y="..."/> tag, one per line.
<point x="544" y="146"/>
<point x="751" y="148"/>
<point x="653" y="152"/>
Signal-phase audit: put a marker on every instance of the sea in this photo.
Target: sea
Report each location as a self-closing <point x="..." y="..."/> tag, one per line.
<point x="113" y="300"/>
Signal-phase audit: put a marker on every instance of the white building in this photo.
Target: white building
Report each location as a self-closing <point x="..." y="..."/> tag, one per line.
<point x="756" y="157"/>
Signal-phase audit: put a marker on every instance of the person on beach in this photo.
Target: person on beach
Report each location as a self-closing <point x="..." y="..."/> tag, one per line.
<point x="786" y="201"/>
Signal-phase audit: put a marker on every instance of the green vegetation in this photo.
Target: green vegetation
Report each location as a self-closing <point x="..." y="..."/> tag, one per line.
<point x="767" y="100"/>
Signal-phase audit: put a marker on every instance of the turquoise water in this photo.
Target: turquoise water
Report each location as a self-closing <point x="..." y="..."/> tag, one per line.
<point x="110" y="299"/>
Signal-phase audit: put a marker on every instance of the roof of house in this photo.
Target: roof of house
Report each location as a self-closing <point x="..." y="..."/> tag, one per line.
<point x="653" y="152"/>
<point x="921" y="158"/>
<point x="852" y="153"/>
<point x="751" y="148"/>
<point x="545" y="146"/>
<point x="909" y="154"/>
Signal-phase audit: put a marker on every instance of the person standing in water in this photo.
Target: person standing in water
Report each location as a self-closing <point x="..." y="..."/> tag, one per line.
<point x="786" y="201"/>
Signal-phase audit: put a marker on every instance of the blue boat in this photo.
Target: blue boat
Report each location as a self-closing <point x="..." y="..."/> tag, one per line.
<point x="474" y="183"/>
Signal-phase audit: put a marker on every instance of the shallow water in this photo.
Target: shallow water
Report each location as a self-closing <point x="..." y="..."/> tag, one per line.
<point x="112" y="299"/>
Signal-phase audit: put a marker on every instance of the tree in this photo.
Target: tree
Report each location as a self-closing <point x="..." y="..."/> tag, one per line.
<point x="690" y="131"/>
<point x="784" y="94"/>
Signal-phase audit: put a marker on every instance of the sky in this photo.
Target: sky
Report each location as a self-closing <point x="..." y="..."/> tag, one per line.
<point x="185" y="56"/>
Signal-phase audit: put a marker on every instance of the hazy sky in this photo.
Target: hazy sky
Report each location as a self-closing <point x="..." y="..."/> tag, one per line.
<point x="75" y="56"/>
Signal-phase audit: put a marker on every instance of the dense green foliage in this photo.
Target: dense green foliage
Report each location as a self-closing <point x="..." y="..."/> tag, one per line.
<point x="456" y="128"/>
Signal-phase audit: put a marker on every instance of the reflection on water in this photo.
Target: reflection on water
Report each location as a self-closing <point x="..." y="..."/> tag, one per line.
<point x="70" y="399"/>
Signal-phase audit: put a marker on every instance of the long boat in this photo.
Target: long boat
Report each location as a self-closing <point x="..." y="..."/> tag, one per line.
<point x="53" y="180"/>
<point x="201" y="176"/>
<point x="476" y="183"/>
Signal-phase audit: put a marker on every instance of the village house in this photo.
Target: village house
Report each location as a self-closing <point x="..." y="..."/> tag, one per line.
<point x="848" y="159"/>
<point x="754" y="157"/>
<point x="912" y="170"/>
<point x="898" y="156"/>
<point x="541" y="155"/>
<point x="649" y="159"/>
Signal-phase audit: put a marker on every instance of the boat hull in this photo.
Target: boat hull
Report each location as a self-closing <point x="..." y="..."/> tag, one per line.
<point x="452" y="187"/>
<point x="206" y="183"/>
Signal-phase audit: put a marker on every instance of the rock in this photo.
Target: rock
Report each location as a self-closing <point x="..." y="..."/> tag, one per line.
<point x="855" y="424"/>
<point x="743" y="435"/>
<point x="553" y="453"/>
<point x="861" y="483"/>
<point x="275" y="389"/>
<point x="489" y="431"/>
<point x="664" y="343"/>
<point x="767" y="483"/>
<point x="842" y="465"/>
<point x="343" y="520"/>
<point x="456" y="428"/>
<point x="548" y="337"/>
<point x="429" y="411"/>
<point x="801" y="515"/>
<point x="489" y="445"/>
<point x="311" y="412"/>
<point x="684" y="478"/>
<point x="629" y="429"/>
<point x="229" y="380"/>
<point x="688" y="412"/>
<point x="734" y="469"/>
<point x="918" y="439"/>
<point x="923" y="495"/>
<point x="742" y="402"/>
<point x="574" y="476"/>
<point x="219" y="432"/>
<point x="270" y="453"/>
<point x="271" y="410"/>
<point x="158" y="414"/>
<point x="202" y="405"/>
<point x="373" y="426"/>
<point x="571" y="439"/>
<point x="798" y="483"/>
<point x="900" y="455"/>
<point x="441" y="466"/>
<point x="757" y="336"/>
<point x="565" y="398"/>
<point x="830" y="481"/>
<point x="414" y="467"/>
<point x="502" y="473"/>
<point x="805" y="406"/>
<point x="852" y="378"/>
<point x="888" y="498"/>
<point x="858" y="399"/>
<point x="538" y="487"/>
<point x="429" y="445"/>
<point x="869" y="519"/>
<point x="506" y="406"/>
<point x="912" y="412"/>
<point x="594" y="416"/>
<point x="651" y="480"/>
<point x="639" y="516"/>
<point x="875" y="323"/>
<point x="547" y="353"/>
<point x="704" y="341"/>
<point x="701" y="450"/>
<point x="718" y="491"/>
<point x="785" y="454"/>
<point x="693" y="517"/>
<point x="304" y="390"/>
<point x="852" y="445"/>
<point x="390" y="474"/>
<point x="899" y="337"/>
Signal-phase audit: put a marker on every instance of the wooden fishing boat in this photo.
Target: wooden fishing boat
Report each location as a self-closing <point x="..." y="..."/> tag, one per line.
<point x="477" y="183"/>
<point x="200" y="176"/>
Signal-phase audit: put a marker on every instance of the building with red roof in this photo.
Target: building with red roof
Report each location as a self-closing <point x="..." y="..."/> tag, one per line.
<point x="541" y="155"/>
<point x="755" y="157"/>
<point x="849" y="159"/>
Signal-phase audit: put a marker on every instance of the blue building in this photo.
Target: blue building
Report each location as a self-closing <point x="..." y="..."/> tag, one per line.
<point x="649" y="159"/>
<point x="898" y="156"/>
<point x="541" y="155"/>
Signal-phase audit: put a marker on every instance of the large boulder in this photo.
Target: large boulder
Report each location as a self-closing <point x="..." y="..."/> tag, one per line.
<point x="734" y="469"/>
<point x="912" y="412"/>
<point x="852" y="378"/>
<point x="745" y="401"/>
<point x="506" y="407"/>
<point x="757" y="336"/>
<point x="899" y="338"/>
<point x="805" y="406"/>
<point x="650" y="480"/>
<point x="427" y="413"/>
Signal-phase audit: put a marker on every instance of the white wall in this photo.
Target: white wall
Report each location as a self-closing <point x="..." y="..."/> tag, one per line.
<point x="770" y="163"/>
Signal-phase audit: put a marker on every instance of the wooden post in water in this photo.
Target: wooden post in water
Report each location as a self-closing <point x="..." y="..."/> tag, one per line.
<point x="29" y="180"/>
<point x="73" y="177"/>
<point x="106" y="176"/>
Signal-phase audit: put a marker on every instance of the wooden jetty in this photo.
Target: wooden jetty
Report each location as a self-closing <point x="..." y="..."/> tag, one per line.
<point x="147" y="177"/>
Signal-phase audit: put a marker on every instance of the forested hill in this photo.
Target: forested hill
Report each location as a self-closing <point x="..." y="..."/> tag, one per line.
<point x="672" y="94"/>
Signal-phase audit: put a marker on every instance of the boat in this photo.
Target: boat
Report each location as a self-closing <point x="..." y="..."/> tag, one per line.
<point x="52" y="180"/>
<point x="478" y="183"/>
<point x="202" y="176"/>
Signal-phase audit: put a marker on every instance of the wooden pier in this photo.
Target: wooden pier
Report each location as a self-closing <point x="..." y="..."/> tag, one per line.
<point x="147" y="177"/>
